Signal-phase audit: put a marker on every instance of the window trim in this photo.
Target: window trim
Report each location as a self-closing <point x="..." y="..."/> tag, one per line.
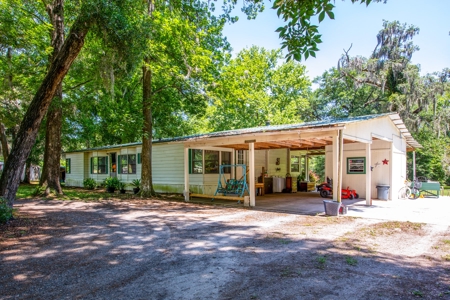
<point x="295" y="164"/>
<point x="191" y="161"/>
<point x="68" y="165"/>
<point x="119" y="160"/>
<point x="203" y="161"/>
<point x="240" y="157"/>
<point x="213" y="161"/>
<point x="98" y="164"/>
<point x="226" y="170"/>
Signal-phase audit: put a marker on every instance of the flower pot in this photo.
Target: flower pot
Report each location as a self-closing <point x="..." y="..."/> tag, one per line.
<point x="122" y="191"/>
<point x="331" y="207"/>
<point x="110" y="189"/>
<point x="136" y="190"/>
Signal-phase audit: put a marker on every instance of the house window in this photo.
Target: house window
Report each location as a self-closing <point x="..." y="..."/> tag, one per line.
<point x="226" y="160"/>
<point x="295" y="163"/>
<point x="99" y="165"/>
<point x="240" y="157"/>
<point x="127" y="164"/>
<point x="68" y="166"/>
<point x="196" y="161"/>
<point x="211" y="162"/>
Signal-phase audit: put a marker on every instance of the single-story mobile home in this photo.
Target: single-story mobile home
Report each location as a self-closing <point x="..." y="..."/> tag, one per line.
<point x="360" y="152"/>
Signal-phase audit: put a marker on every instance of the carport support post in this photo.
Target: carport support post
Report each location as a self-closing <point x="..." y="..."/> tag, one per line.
<point x="251" y="181"/>
<point x="340" y="159"/>
<point x="186" y="174"/>
<point x="307" y="167"/>
<point x="335" y="154"/>
<point x="368" y="175"/>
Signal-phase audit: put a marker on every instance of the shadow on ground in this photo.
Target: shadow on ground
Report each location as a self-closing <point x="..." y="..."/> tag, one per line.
<point x="169" y="250"/>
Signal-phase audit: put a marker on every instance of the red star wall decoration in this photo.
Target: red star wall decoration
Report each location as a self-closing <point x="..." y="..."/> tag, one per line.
<point x="385" y="161"/>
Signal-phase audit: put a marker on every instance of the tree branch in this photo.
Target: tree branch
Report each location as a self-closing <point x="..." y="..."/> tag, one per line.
<point x="78" y="85"/>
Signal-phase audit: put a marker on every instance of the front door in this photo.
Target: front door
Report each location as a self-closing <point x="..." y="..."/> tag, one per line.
<point x="113" y="166"/>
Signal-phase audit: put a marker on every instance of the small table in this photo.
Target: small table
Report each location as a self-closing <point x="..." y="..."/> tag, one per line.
<point x="259" y="187"/>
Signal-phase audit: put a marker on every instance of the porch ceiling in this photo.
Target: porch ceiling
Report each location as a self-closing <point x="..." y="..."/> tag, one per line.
<point x="313" y="141"/>
<point x="312" y="145"/>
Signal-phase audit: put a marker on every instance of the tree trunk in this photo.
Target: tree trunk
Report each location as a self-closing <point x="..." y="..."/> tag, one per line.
<point x="4" y="141"/>
<point x="9" y="83"/>
<point x="51" y="171"/>
<point x="9" y="181"/>
<point x="146" y="175"/>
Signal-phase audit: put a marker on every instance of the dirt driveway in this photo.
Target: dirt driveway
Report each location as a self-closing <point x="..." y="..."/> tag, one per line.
<point x="170" y="250"/>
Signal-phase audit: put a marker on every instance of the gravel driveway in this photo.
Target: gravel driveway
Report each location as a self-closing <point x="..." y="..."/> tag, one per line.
<point x="158" y="249"/>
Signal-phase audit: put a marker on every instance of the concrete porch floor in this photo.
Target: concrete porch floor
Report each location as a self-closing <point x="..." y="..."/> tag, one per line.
<point x="423" y="210"/>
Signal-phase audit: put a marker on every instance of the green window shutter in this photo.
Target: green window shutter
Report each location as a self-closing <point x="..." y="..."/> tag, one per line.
<point x="190" y="161"/>
<point x="139" y="158"/>
<point x="107" y="165"/>
<point x="119" y="169"/>
<point x="92" y="165"/>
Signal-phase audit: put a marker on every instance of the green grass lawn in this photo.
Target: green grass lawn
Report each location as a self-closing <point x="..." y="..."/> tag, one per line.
<point x="30" y="191"/>
<point x="446" y="191"/>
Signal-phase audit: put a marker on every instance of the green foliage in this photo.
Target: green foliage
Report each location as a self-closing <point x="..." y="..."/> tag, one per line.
<point x="432" y="160"/>
<point x="5" y="211"/>
<point x="300" y="35"/>
<point x="38" y="190"/>
<point x="317" y="165"/>
<point x="351" y="261"/>
<point x="122" y="185"/>
<point x="136" y="183"/>
<point x="89" y="183"/>
<point x="256" y="87"/>
<point x="388" y="82"/>
<point x="111" y="182"/>
<point x="321" y="260"/>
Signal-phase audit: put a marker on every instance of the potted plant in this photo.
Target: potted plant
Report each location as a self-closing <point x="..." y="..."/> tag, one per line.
<point x="136" y="183"/>
<point x="301" y="184"/>
<point x="111" y="184"/>
<point x="122" y="186"/>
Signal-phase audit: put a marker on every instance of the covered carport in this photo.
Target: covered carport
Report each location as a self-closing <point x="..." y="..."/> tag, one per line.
<point x="317" y="137"/>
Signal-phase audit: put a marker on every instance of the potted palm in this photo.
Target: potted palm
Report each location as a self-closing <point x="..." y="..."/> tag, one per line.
<point x="136" y="183"/>
<point x="122" y="186"/>
<point x="111" y="184"/>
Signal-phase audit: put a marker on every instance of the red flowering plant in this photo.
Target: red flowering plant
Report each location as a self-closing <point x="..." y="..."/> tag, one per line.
<point x="313" y="177"/>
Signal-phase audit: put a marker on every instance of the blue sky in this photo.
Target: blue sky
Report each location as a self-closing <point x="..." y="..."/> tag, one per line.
<point x="358" y="25"/>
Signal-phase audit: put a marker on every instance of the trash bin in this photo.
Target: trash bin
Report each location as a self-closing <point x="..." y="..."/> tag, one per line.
<point x="383" y="191"/>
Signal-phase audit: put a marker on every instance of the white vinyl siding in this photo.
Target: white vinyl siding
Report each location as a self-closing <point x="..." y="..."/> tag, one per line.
<point x="76" y="175"/>
<point x="168" y="163"/>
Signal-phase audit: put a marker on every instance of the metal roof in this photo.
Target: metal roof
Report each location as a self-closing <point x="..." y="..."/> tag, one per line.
<point x="404" y="131"/>
<point x="326" y="124"/>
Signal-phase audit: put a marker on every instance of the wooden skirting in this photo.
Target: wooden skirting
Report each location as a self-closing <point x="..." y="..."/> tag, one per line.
<point x="234" y="198"/>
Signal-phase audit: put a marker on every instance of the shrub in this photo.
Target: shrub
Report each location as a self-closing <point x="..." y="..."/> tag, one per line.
<point x="136" y="183"/>
<point x="89" y="183"/>
<point x="5" y="211"/>
<point x="112" y="182"/>
<point x="38" y="190"/>
<point x="122" y="185"/>
<point x="313" y="177"/>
